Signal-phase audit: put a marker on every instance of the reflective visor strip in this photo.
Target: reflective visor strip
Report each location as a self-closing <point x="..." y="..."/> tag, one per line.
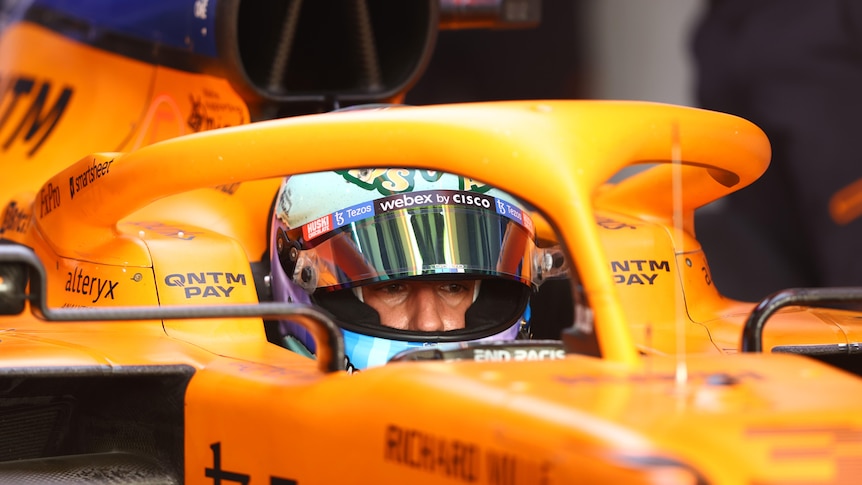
<point x="421" y="233"/>
<point x="365" y="210"/>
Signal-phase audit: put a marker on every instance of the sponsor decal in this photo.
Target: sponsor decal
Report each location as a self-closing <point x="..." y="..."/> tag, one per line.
<point x="468" y="199"/>
<point x="317" y="227"/>
<point x="433" y="197"/>
<point x="220" y="475"/>
<point x="92" y="173"/>
<point x="210" y="284"/>
<point x="608" y="223"/>
<point x="200" y="9"/>
<point x="457" y="459"/>
<point x="92" y="286"/>
<point x="449" y="457"/>
<point x="209" y="111"/>
<point x="353" y="214"/>
<point x="410" y="200"/>
<point x="30" y="111"/>
<point x="228" y="189"/>
<point x="49" y="199"/>
<point x="638" y="271"/>
<point x="403" y="201"/>
<point x="425" y="198"/>
<point x="515" y="213"/>
<point x="518" y="354"/>
<point x="447" y="268"/>
<point x="15" y="219"/>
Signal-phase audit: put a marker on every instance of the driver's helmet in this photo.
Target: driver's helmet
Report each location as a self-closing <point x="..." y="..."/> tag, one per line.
<point x="333" y="232"/>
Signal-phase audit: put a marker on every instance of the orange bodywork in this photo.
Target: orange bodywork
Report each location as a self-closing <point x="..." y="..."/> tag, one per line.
<point x="146" y="214"/>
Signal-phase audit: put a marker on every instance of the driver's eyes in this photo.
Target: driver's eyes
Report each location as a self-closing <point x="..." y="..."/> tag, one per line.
<point x="391" y="288"/>
<point x="402" y="288"/>
<point x="453" y="288"/>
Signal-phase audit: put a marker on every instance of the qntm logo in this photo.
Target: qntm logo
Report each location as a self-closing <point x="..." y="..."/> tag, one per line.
<point x="210" y="284"/>
<point x="30" y="110"/>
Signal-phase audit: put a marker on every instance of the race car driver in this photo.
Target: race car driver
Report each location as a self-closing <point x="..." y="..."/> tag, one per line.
<point x="403" y="258"/>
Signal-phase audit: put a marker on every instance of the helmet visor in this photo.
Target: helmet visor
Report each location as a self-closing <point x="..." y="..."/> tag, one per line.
<point x="414" y="235"/>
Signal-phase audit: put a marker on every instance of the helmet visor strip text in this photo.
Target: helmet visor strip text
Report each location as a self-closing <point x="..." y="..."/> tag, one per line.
<point x="438" y="232"/>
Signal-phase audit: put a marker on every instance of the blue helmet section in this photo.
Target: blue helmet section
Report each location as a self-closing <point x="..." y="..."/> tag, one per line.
<point x="364" y="351"/>
<point x="182" y="25"/>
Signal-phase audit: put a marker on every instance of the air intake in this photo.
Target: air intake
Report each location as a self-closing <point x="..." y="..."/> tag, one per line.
<point x="325" y="53"/>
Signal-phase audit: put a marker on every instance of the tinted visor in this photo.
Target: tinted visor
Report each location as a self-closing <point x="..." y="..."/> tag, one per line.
<point x="471" y="234"/>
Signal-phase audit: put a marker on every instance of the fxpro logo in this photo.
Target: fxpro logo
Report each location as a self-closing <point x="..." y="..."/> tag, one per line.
<point x="31" y="111"/>
<point x="210" y="284"/>
<point x="49" y="199"/>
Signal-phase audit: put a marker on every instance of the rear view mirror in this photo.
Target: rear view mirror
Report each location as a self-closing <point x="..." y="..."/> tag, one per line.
<point x="13" y="286"/>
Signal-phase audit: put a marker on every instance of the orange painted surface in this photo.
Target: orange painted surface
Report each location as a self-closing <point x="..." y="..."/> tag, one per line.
<point x="164" y="212"/>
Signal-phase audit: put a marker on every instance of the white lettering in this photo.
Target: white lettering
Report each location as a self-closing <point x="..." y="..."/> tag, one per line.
<point x="518" y="354"/>
<point x="317" y="227"/>
<point x="366" y="209"/>
<point x="200" y="8"/>
<point x="406" y="201"/>
<point x="515" y="213"/>
<point x="467" y="199"/>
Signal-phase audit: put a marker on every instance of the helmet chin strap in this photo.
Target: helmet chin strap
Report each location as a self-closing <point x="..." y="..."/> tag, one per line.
<point x="357" y="290"/>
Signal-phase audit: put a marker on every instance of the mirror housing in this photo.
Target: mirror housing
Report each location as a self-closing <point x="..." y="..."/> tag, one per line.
<point x="14" y="278"/>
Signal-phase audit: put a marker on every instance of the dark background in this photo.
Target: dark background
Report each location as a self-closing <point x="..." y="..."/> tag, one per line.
<point x="486" y="65"/>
